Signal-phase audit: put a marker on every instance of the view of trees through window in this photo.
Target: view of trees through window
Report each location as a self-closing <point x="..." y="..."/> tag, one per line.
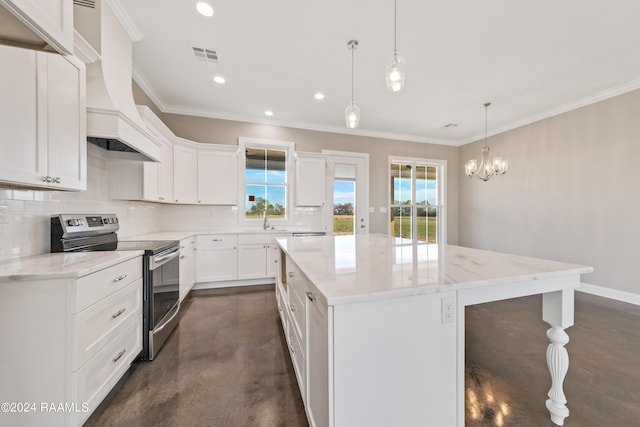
<point x="344" y="198"/>
<point x="414" y="209"/>
<point x="265" y="183"/>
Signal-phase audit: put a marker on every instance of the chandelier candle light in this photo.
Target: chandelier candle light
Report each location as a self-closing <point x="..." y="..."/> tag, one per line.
<point x="395" y="71"/>
<point x="486" y="169"/>
<point x="352" y="112"/>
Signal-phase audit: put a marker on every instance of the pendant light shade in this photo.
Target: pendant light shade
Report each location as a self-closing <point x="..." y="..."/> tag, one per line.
<point x="352" y="116"/>
<point x="395" y="73"/>
<point x="352" y="112"/>
<point x="396" y="66"/>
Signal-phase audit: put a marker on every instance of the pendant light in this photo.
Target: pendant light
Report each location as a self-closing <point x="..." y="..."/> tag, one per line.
<point x="487" y="169"/>
<point x="395" y="71"/>
<point x="352" y="112"/>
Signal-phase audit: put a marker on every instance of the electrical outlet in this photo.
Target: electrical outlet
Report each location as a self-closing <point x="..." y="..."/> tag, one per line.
<point x="448" y="310"/>
<point x="4" y="214"/>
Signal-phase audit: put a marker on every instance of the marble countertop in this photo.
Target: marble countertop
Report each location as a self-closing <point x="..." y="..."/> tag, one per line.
<point x="183" y="234"/>
<point x="61" y="265"/>
<point x="365" y="267"/>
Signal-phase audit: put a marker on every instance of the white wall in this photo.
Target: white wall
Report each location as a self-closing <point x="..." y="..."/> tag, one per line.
<point x="28" y="227"/>
<point x="572" y="192"/>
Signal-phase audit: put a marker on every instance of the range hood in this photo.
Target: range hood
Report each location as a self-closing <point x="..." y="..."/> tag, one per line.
<point x="113" y="122"/>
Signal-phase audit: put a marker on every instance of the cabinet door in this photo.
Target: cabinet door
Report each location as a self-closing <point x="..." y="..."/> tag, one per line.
<point x="21" y="152"/>
<point x="317" y="362"/>
<point x="165" y="171"/>
<point x="213" y="265"/>
<point x="67" y="141"/>
<point x="185" y="174"/>
<point x="273" y="259"/>
<point x="51" y="20"/>
<point x="252" y="261"/>
<point x="217" y="177"/>
<point x="310" y="181"/>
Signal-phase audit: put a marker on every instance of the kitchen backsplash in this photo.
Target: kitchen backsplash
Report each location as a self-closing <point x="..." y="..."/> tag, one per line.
<point x="26" y="228"/>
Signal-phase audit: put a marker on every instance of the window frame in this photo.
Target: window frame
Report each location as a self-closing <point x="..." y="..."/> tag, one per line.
<point x="441" y="174"/>
<point x="268" y="144"/>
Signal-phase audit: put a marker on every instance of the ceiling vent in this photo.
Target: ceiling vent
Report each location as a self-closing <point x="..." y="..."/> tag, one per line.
<point x="85" y="3"/>
<point x="206" y="55"/>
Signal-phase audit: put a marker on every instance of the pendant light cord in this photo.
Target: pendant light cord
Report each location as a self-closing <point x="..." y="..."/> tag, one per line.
<point x="352" y="67"/>
<point x="486" y="109"/>
<point x="395" y="24"/>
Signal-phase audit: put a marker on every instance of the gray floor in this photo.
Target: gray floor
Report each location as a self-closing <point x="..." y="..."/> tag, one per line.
<point x="227" y="365"/>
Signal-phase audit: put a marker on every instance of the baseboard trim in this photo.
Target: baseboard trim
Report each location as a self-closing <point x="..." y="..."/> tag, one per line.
<point x="234" y="283"/>
<point x="610" y="293"/>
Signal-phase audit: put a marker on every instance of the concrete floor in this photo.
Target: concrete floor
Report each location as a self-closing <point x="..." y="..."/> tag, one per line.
<point x="227" y="365"/>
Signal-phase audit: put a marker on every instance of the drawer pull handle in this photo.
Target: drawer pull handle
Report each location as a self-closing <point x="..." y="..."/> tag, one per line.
<point x="291" y="274"/>
<point x="216" y="240"/>
<point x="56" y="180"/>
<point x="181" y="256"/>
<point x="115" y="359"/>
<point x="117" y="279"/>
<point x="293" y="348"/>
<point x="122" y="310"/>
<point x="311" y="296"/>
<point x="293" y="307"/>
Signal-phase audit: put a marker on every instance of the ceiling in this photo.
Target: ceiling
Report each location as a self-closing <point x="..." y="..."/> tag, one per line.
<point x="530" y="59"/>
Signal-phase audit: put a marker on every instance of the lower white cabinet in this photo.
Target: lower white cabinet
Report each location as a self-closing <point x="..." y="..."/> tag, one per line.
<point x="258" y="256"/>
<point x="217" y="257"/>
<point x="337" y="352"/>
<point x="188" y="251"/>
<point x="68" y="341"/>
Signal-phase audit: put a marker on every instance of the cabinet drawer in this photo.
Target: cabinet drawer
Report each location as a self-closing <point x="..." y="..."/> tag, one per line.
<point x="217" y="241"/>
<point x="100" y="323"/>
<point x="298" y="317"/>
<point x="96" y="378"/>
<point x="299" y="363"/>
<point x="94" y="287"/>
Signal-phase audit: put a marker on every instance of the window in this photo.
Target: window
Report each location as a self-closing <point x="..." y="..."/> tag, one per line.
<point x="265" y="182"/>
<point x="416" y="199"/>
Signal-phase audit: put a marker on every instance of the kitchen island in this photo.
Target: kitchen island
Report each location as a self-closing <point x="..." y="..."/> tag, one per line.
<point x="376" y="330"/>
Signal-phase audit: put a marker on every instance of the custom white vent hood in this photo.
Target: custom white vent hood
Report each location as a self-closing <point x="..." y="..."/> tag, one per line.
<point x="113" y="122"/>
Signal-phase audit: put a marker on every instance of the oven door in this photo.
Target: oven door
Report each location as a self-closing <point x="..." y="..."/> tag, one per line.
<point x="165" y="285"/>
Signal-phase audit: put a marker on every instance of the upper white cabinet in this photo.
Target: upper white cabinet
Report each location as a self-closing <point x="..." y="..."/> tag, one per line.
<point x="310" y="179"/>
<point x="37" y="23"/>
<point x="42" y="120"/>
<point x="185" y="173"/>
<point x="218" y="175"/>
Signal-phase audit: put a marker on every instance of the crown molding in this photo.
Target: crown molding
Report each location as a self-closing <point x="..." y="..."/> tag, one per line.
<point x="134" y="32"/>
<point x="583" y="102"/>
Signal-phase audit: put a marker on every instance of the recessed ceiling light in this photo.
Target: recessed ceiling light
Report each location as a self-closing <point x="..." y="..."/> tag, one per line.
<point x="219" y="79"/>
<point x="319" y="95"/>
<point x="268" y="113"/>
<point x="205" y="9"/>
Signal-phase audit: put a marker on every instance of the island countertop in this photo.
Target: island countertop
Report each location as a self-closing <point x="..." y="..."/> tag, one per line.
<point x="347" y="269"/>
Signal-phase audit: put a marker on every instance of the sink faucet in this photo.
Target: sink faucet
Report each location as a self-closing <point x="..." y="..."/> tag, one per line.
<point x="265" y="222"/>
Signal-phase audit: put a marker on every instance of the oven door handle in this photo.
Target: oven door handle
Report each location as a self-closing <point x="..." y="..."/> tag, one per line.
<point x="165" y="257"/>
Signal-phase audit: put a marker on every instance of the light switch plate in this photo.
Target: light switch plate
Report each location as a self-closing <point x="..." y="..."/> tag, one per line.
<point x="4" y="214"/>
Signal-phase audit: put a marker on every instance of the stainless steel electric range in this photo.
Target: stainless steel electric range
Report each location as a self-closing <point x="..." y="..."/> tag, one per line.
<point x="160" y="269"/>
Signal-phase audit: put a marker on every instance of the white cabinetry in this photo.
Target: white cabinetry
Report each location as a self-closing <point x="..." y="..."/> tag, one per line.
<point x="42" y="120"/>
<point x="336" y="351"/>
<point x="188" y="250"/>
<point x="149" y="181"/>
<point x="39" y="22"/>
<point x="217" y="257"/>
<point x="218" y="175"/>
<point x="71" y="340"/>
<point x="185" y="173"/>
<point x="310" y="179"/>
<point x="258" y="256"/>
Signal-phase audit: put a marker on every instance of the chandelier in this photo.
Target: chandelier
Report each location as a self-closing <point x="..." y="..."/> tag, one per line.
<point x="487" y="169"/>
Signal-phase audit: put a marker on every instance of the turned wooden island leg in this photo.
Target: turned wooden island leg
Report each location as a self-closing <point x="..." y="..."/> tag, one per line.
<point x="557" y="311"/>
